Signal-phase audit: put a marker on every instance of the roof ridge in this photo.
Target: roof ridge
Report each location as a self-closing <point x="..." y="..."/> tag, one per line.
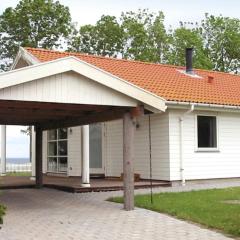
<point x="126" y="60"/>
<point x="102" y="57"/>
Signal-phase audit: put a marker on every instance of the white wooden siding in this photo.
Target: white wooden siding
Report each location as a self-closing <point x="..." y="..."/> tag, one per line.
<point x="114" y="148"/>
<point x="205" y="165"/>
<point x="160" y="144"/>
<point x="68" y="87"/>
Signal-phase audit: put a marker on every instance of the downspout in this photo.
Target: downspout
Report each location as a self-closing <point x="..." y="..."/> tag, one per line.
<point x="181" y="119"/>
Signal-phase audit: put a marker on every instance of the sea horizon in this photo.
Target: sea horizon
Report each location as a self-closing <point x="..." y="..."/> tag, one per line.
<point x="17" y="160"/>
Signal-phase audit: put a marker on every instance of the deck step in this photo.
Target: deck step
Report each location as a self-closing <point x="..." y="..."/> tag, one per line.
<point x="97" y="175"/>
<point x="101" y="189"/>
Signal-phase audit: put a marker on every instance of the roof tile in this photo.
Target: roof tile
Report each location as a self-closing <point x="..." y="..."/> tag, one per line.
<point x="163" y="80"/>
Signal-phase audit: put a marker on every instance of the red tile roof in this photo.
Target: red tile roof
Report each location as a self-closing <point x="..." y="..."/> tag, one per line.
<point x="163" y="80"/>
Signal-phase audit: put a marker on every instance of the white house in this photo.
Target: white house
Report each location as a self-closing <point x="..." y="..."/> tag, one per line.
<point x="197" y="137"/>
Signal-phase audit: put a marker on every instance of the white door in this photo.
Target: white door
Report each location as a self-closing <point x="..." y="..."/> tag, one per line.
<point x="95" y="148"/>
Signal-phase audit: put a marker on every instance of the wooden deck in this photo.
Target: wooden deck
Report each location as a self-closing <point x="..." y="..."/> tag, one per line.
<point x="73" y="184"/>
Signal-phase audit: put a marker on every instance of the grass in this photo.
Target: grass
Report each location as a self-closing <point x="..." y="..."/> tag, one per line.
<point x="19" y="174"/>
<point x="206" y="207"/>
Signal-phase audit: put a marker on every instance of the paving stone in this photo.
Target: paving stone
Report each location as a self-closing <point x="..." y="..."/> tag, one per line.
<point x="48" y="214"/>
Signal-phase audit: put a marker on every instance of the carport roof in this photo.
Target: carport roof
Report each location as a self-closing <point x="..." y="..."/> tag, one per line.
<point x="21" y="107"/>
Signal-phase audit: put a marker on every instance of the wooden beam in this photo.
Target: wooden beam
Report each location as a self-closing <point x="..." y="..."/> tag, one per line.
<point x="50" y="106"/>
<point x="39" y="173"/>
<point x="19" y="122"/>
<point x="94" y="117"/>
<point x="39" y="112"/>
<point x="128" y="155"/>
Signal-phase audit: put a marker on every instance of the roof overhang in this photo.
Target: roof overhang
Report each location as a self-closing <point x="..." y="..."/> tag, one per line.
<point x="150" y="101"/>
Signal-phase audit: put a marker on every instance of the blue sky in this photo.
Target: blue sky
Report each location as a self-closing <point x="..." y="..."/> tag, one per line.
<point x="88" y="12"/>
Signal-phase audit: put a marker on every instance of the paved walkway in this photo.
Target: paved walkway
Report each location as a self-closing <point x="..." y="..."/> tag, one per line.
<point x="54" y="215"/>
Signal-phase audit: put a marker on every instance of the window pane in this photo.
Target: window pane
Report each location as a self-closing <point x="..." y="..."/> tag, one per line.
<point x="62" y="133"/>
<point x="62" y="148"/>
<point x="52" y="134"/>
<point x="62" y="164"/>
<point x="52" y="148"/>
<point x="52" y="164"/>
<point x="207" y="132"/>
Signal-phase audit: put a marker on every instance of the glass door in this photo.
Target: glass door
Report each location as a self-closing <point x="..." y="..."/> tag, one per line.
<point x="95" y="148"/>
<point x="57" y="150"/>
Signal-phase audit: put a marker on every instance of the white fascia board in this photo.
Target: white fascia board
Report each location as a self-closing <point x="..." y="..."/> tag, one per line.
<point x="25" y="55"/>
<point x="71" y="63"/>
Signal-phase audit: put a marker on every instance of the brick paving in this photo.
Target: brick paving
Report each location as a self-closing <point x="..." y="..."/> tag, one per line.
<point x="48" y="214"/>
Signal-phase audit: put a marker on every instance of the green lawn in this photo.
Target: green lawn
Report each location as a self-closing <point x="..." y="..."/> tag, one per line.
<point x="207" y="207"/>
<point x="19" y="174"/>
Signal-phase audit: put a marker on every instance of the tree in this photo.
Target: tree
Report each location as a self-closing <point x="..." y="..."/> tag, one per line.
<point x="161" y="39"/>
<point x="33" y="23"/>
<point x="222" y="42"/>
<point x="182" y="38"/>
<point x="145" y="37"/>
<point x="136" y="39"/>
<point x="139" y="36"/>
<point x="104" y="38"/>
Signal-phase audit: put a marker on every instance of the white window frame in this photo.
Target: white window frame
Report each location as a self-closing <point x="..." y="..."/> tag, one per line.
<point x="56" y="156"/>
<point x="210" y="149"/>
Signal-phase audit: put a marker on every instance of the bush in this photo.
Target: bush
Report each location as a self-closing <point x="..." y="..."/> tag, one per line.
<point x="2" y="213"/>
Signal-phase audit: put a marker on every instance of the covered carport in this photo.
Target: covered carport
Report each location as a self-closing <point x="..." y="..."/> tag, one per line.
<point x="69" y="92"/>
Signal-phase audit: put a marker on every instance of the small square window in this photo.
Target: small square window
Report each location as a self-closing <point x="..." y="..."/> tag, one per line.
<point x="207" y="131"/>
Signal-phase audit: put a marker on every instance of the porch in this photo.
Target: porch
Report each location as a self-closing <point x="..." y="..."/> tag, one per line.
<point x="74" y="184"/>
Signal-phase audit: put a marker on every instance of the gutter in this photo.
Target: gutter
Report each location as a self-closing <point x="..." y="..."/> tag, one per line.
<point x="181" y="120"/>
<point x="220" y="106"/>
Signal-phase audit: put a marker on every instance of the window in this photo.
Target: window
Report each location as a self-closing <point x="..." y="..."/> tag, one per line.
<point x="207" y="131"/>
<point x="57" y="150"/>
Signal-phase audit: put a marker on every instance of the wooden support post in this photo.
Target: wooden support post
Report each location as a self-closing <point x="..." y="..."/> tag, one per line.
<point x="85" y="157"/>
<point x="128" y="155"/>
<point x="38" y="164"/>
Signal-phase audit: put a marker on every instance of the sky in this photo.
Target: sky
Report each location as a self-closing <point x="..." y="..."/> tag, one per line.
<point x="88" y="12"/>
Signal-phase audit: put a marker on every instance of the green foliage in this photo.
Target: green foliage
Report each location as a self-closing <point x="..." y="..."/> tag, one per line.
<point x="207" y="207"/>
<point x="104" y="38"/>
<point x="142" y="36"/>
<point x="2" y="213"/>
<point x="33" y="23"/>
<point x="222" y="42"/>
<point x="183" y="38"/>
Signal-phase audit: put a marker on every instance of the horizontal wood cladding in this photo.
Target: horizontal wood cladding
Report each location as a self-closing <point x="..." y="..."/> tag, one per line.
<point x="160" y="147"/>
<point x="223" y="163"/>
